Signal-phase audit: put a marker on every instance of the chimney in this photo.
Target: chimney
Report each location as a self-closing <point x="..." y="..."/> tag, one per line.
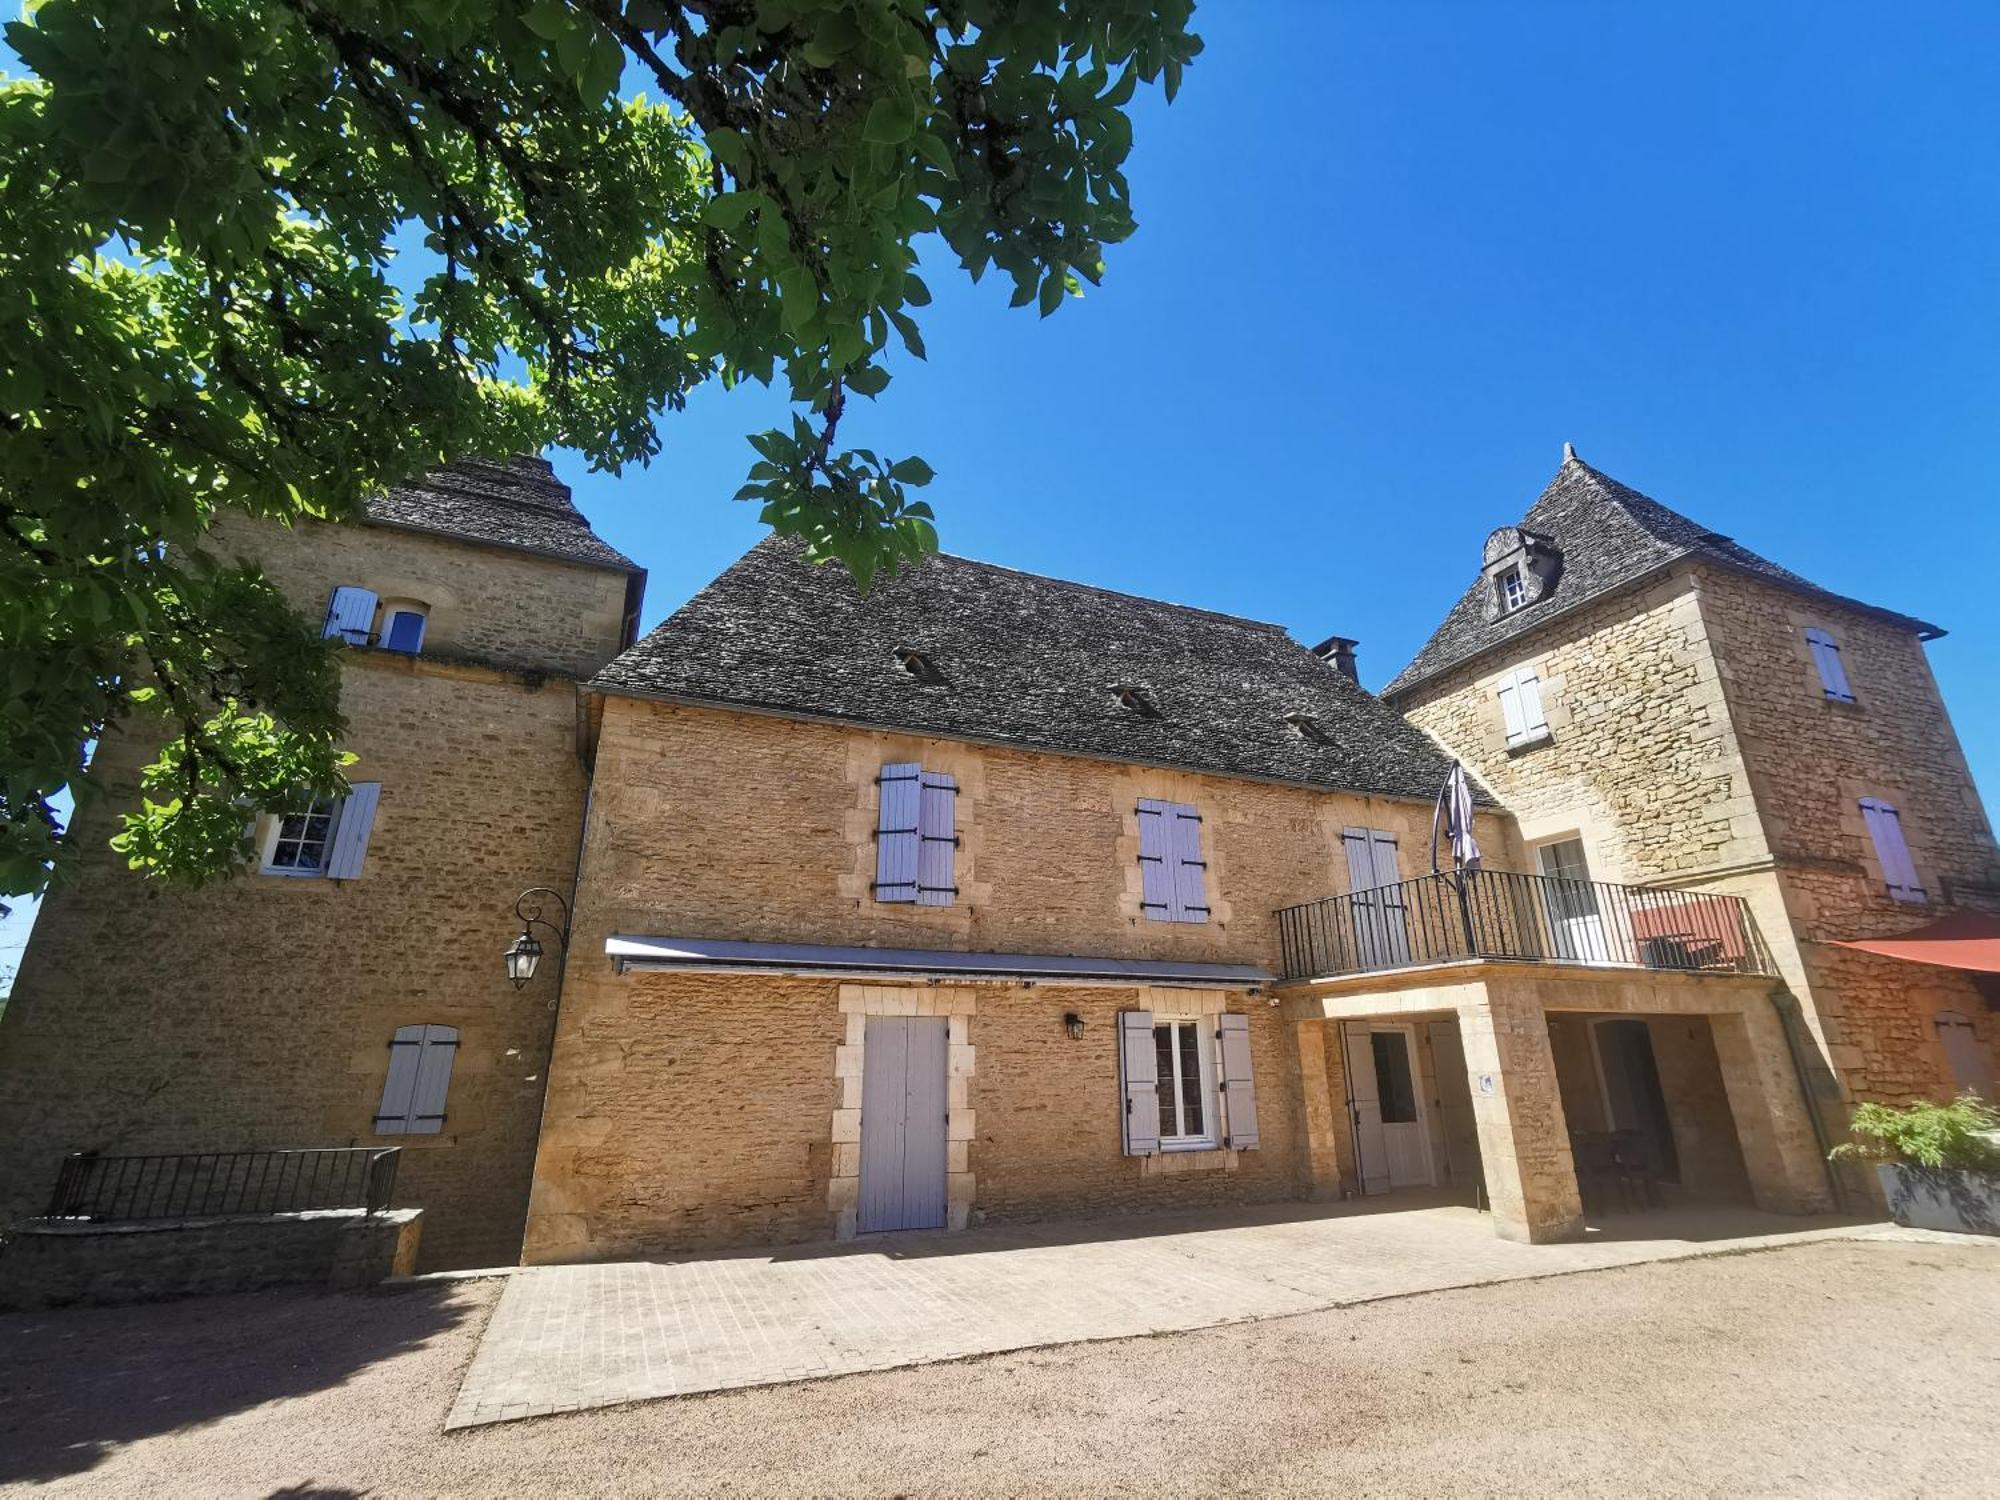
<point x="1337" y="651"/>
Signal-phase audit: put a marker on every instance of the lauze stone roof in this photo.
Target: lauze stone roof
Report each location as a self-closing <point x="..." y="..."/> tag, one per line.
<point x="1030" y="661"/>
<point x="1609" y="536"/>
<point x="519" y="504"/>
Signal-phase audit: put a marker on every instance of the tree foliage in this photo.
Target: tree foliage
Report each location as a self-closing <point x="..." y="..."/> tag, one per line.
<point x="274" y="256"/>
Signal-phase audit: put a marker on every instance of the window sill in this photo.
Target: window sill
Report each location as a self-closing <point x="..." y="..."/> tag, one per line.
<point x="1171" y="1161"/>
<point x="1522" y="747"/>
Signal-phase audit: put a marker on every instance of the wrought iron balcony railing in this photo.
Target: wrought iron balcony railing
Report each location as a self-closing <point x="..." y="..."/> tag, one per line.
<point x="129" y="1189"/>
<point x="1497" y="914"/>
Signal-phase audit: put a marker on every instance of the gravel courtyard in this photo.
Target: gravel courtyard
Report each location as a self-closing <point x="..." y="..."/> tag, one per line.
<point x="1833" y="1367"/>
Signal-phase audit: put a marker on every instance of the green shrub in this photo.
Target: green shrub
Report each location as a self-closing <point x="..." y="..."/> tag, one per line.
<point x="1958" y="1134"/>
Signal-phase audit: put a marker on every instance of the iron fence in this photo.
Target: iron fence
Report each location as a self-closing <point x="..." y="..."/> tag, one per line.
<point x="1499" y="914"/>
<point x="113" y="1189"/>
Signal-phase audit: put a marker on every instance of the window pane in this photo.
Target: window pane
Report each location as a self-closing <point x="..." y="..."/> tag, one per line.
<point x="1190" y="1040"/>
<point x="1393" y="1084"/>
<point x="1163" y="1054"/>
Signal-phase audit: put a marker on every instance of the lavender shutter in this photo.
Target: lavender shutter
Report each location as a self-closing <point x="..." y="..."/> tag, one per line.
<point x="1138" y="1074"/>
<point x="1156" y="898"/>
<point x="351" y="831"/>
<point x="1190" y="869"/>
<point x="1832" y="671"/>
<point x="349" y="614"/>
<point x="1885" y="828"/>
<point x="897" y="832"/>
<point x="434" y="1060"/>
<point x="937" y="840"/>
<point x="1238" y="1088"/>
<point x="399" y="1088"/>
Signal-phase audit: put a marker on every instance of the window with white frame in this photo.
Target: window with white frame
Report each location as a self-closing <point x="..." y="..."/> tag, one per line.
<point x="1513" y="590"/>
<point x="1520" y="694"/>
<point x="323" y="836"/>
<point x="1185" y="1085"/>
<point x="297" y="842"/>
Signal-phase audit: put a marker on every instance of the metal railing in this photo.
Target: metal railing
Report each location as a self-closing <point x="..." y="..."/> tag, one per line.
<point x="1498" y="914"/>
<point x="113" y="1189"/>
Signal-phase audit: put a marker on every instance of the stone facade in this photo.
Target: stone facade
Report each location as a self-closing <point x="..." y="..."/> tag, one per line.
<point x="1691" y="743"/>
<point x="258" y="1012"/>
<point x="691" y="1110"/>
<point x="49" y="1263"/>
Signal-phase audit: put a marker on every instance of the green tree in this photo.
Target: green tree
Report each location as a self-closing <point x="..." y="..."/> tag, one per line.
<point x="273" y="256"/>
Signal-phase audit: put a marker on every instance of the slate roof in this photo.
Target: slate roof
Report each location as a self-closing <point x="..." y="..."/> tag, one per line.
<point x="518" y="504"/>
<point x="1028" y="661"/>
<point x="1610" y="536"/>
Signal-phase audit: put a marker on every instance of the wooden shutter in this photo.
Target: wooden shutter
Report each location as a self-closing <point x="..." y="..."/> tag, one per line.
<point x="1832" y="671"/>
<point x="434" y="1060"/>
<point x="400" y="1087"/>
<point x="1510" y="708"/>
<point x="1885" y="827"/>
<point x="353" y="825"/>
<point x="1969" y="1062"/>
<point x="404" y="632"/>
<point x="897" y="832"/>
<point x="349" y="614"/>
<point x="1138" y="1073"/>
<point x="1189" y="868"/>
<point x="1528" y="687"/>
<point x="1237" y="1085"/>
<point x="1156" y="899"/>
<point x="937" y="839"/>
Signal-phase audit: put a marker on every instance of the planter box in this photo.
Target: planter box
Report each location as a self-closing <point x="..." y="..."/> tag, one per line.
<point x="1941" y="1198"/>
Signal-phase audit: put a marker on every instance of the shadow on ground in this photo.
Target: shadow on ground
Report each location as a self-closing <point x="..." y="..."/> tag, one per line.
<point x="79" y="1382"/>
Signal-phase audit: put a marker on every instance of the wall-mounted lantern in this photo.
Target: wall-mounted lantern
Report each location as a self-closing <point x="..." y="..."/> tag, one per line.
<point x="1073" y="1024"/>
<point x="525" y="953"/>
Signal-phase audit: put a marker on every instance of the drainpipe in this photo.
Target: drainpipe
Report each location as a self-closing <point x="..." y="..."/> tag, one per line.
<point x="1783" y="1002"/>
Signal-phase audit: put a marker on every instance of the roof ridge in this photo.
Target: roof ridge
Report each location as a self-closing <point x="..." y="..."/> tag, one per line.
<point x="1096" y="588"/>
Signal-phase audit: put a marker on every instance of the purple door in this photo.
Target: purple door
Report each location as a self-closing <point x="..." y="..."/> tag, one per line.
<point x="903" y="1124"/>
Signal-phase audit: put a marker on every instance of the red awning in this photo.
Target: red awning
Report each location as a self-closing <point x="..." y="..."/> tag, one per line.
<point x="1965" y="940"/>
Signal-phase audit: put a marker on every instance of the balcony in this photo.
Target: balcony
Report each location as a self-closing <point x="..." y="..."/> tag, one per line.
<point x="1503" y="916"/>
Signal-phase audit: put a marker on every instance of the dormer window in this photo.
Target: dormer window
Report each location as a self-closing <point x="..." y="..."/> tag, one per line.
<point x="920" y="666"/>
<point x="1513" y="590"/>
<point x="1309" y="728"/>
<point x="1136" y="698"/>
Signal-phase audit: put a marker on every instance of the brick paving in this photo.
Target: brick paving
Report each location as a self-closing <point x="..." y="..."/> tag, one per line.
<point x="565" y="1338"/>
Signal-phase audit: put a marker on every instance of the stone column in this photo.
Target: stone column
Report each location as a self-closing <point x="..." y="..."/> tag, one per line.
<point x="1322" y="1146"/>
<point x="1773" y="1131"/>
<point x="1523" y="1137"/>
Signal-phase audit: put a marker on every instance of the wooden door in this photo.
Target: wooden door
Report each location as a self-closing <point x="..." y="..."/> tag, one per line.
<point x="1370" y="1149"/>
<point x="903" y="1123"/>
<point x="1454" y="1094"/>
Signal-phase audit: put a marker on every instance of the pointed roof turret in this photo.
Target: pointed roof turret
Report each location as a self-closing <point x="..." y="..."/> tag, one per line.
<point x="1608" y="537"/>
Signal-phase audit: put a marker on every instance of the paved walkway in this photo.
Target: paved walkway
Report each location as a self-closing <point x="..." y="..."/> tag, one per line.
<point x="569" y="1337"/>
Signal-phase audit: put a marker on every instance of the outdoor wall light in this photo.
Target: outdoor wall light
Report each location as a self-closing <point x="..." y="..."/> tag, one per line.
<point x="526" y="951"/>
<point x="1073" y="1024"/>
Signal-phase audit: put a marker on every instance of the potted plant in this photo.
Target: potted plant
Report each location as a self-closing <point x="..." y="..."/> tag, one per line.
<point x="1939" y="1163"/>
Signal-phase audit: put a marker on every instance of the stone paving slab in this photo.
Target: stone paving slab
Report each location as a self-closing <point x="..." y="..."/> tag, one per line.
<point x="565" y="1338"/>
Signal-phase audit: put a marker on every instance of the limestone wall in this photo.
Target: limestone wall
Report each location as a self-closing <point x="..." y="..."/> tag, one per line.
<point x="1640" y="761"/>
<point x="53" y="1263"/>
<point x="690" y="1110"/>
<point x="257" y="1012"/>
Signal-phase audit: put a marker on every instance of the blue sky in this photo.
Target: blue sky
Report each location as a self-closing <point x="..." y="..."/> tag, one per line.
<point x="1391" y="256"/>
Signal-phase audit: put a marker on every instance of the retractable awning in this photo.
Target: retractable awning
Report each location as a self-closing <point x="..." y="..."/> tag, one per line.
<point x="1967" y="940"/>
<point x="723" y="956"/>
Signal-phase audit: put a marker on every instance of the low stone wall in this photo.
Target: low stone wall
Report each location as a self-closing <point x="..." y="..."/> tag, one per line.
<point x="61" y="1263"/>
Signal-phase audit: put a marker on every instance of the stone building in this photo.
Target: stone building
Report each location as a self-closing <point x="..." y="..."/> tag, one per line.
<point x="268" y="1011"/>
<point x="987" y="896"/>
